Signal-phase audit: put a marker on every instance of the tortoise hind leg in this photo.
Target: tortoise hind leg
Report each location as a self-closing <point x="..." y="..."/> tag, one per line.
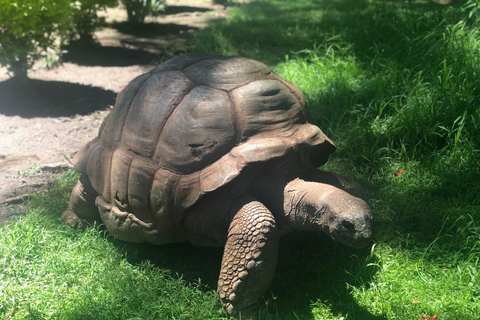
<point x="249" y="259"/>
<point x="82" y="209"/>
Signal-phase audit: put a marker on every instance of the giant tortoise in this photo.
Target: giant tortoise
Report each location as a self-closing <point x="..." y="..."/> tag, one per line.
<point x="218" y="151"/>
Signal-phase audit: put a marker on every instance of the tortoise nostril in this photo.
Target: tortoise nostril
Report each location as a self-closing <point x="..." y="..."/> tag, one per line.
<point x="350" y="227"/>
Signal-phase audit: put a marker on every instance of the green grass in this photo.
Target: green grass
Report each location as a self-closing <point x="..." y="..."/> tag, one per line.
<point x="50" y="271"/>
<point x="395" y="85"/>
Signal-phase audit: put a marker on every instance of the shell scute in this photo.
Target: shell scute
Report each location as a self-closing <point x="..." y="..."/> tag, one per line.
<point x="154" y="102"/>
<point x="163" y="187"/>
<point x="112" y="127"/>
<point x="226" y="73"/>
<point x="199" y="132"/>
<point x="119" y="175"/>
<point x="183" y="61"/>
<point x="267" y="106"/>
<point x="139" y="185"/>
<point x="97" y="165"/>
<point x="168" y="218"/>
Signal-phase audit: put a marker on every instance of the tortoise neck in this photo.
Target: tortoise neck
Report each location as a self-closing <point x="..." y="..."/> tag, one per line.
<point x="269" y="188"/>
<point x="293" y="201"/>
<point x="305" y="205"/>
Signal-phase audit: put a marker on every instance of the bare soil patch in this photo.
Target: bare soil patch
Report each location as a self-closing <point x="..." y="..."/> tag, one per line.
<point x="43" y="124"/>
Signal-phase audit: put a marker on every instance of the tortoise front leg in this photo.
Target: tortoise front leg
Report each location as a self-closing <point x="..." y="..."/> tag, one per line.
<point x="249" y="259"/>
<point x="82" y="209"/>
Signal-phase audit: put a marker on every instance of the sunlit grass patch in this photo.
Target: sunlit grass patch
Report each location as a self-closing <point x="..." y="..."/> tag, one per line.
<point x="50" y="271"/>
<point x="409" y="284"/>
<point x="329" y="77"/>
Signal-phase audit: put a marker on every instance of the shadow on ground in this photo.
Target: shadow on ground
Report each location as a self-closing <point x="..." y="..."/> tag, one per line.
<point x="142" y="44"/>
<point x="107" y="56"/>
<point x="311" y="269"/>
<point x="151" y="30"/>
<point x="183" y="9"/>
<point x="39" y="98"/>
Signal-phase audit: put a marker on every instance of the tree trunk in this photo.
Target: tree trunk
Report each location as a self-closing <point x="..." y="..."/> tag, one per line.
<point x="19" y="69"/>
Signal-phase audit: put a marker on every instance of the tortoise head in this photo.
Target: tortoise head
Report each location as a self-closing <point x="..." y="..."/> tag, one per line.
<point x="322" y="207"/>
<point x="348" y="221"/>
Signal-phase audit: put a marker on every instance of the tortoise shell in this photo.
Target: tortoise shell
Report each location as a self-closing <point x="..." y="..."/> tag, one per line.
<point x="187" y="128"/>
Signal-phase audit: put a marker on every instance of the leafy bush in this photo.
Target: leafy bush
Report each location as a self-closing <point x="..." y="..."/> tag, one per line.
<point x="137" y="10"/>
<point x="27" y="27"/>
<point x="85" y="18"/>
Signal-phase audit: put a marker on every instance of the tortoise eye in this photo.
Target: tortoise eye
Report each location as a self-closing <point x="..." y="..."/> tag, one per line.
<point x="348" y="226"/>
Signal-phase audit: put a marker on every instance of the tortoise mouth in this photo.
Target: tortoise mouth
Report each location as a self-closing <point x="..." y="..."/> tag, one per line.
<point x="356" y="234"/>
<point x="354" y="240"/>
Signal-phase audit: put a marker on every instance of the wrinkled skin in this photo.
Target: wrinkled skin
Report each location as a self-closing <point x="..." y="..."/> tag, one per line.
<point x="218" y="151"/>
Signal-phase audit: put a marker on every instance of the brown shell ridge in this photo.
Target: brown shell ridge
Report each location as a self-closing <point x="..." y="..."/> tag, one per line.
<point x="129" y="107"/>
<point x="108" y="179"/>
<point x="107" y="185"/>
<point x="236" y="120"/>
<point x="207" y="180"/>
<point x="255" y="150"/>
<point x="125" y="225"/>
<point x="220" y="89"/>
<point x="227" y="73"/>
<point x="94" y="156"/>
<point x="212" y="147"/>
<point x="149" y="227"/>
<point x="167" y="119"/>
<point x="127" y="182"/>
<point x="179" y="184"/>
<point x="241" y="84"/>
<point x="80" y="159"/>
<point x="153" y="118"/>
<point x="141" y="168"/>
<point x="298" y="96"/>
<point x="191" y="80"/>
<point x="207" y="57"/>
<point x="189" y="188"/>
<point x="165" y="123"/>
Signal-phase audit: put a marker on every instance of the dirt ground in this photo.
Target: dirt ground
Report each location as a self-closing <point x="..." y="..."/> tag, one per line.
<point x="61" y="109"/>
